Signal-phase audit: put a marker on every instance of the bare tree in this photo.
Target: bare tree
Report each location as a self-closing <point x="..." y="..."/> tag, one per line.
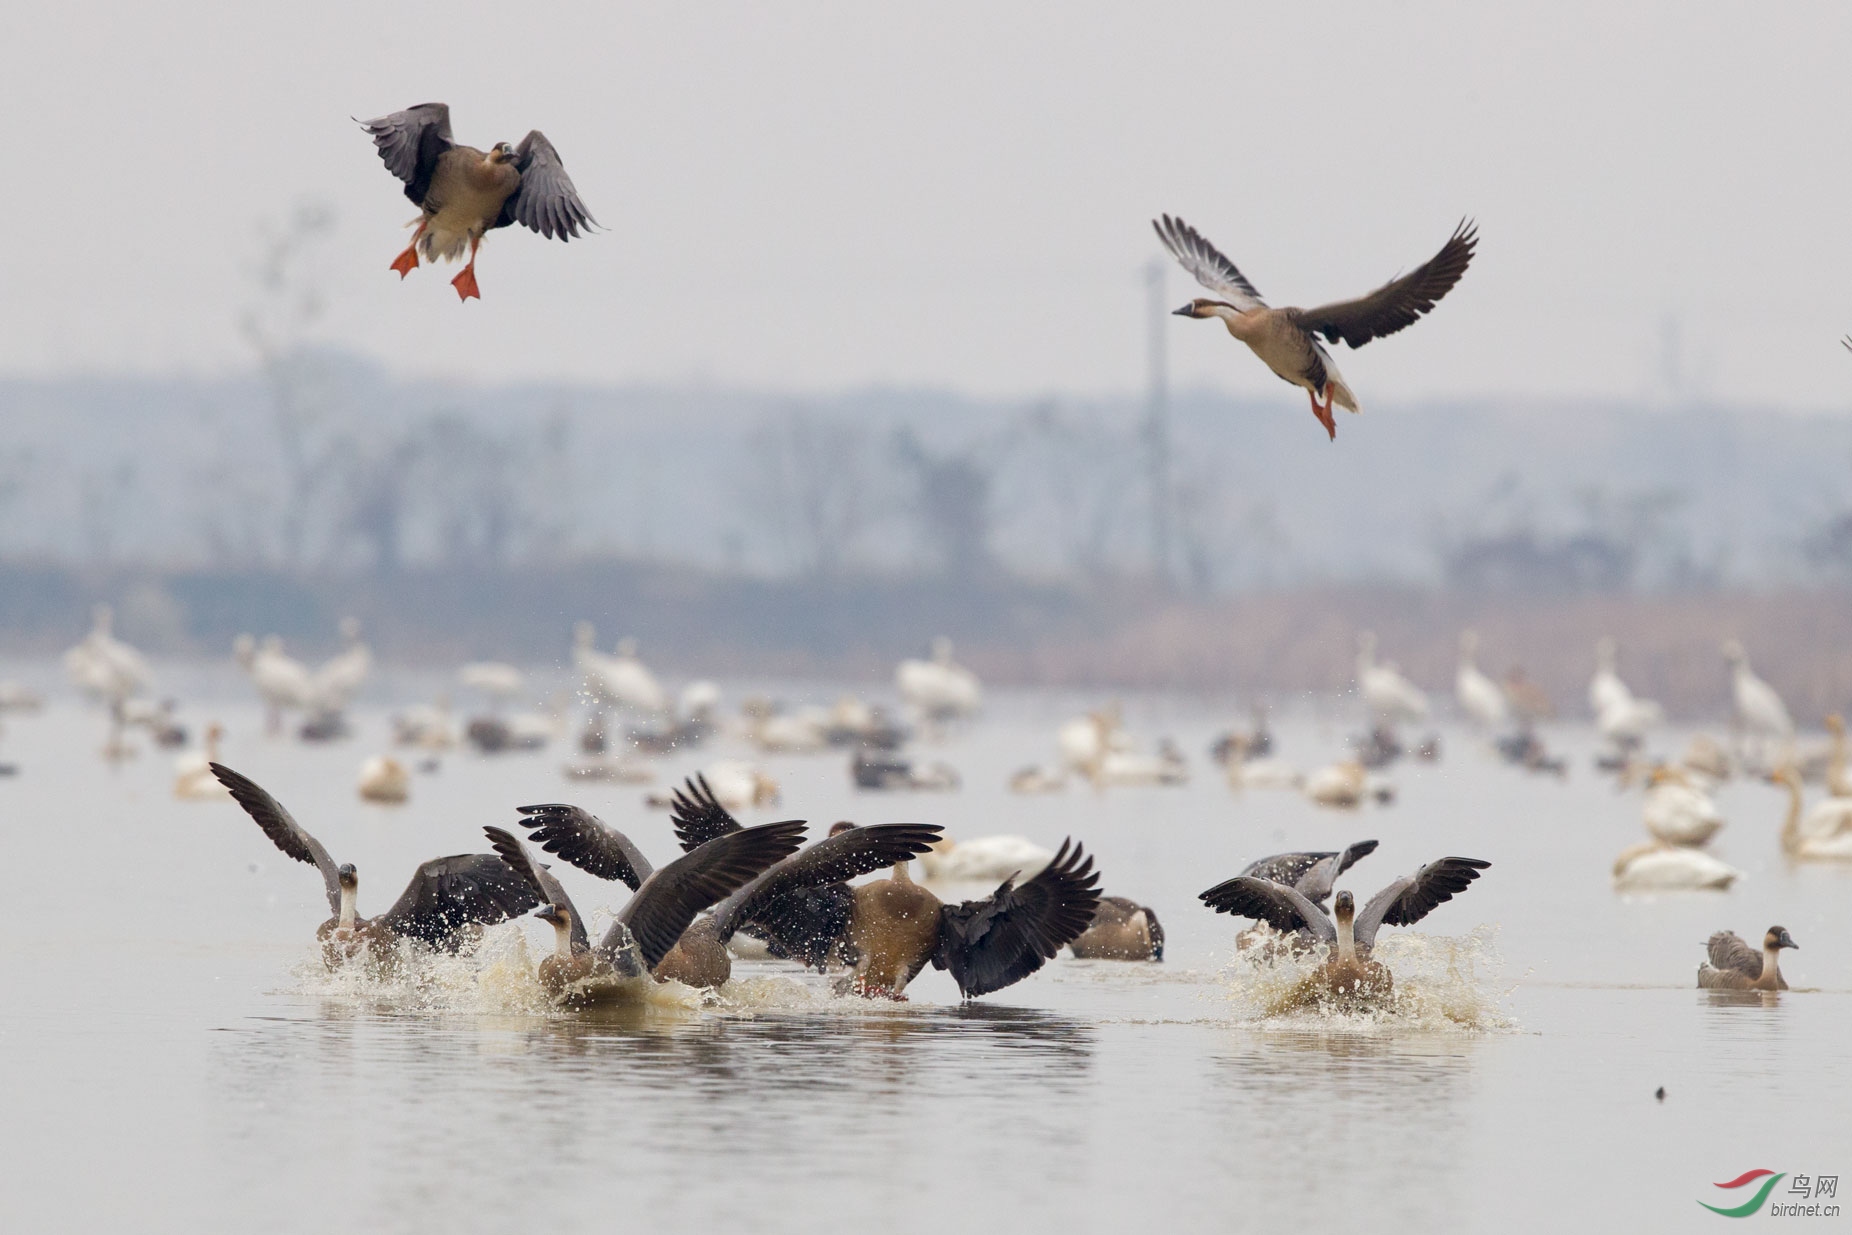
<point x="952" y="504"/>
<point x="808" y="481"/>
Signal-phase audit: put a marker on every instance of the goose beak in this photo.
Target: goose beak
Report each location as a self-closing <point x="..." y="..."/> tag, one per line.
<point x="1787" y="941"/>
<point x="1185" y="311"/>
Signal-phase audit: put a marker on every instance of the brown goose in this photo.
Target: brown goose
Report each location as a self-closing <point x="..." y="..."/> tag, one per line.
<point x="446" y="898"/>
<point x="888" y="930"/>
<point x="1349" y="978"/>
<point x="1286" y="340"/>
<point x="1121" y="930"/>
<point x="463" y="193"/>
<point x="647" y="927"/>
<point x="1732" y="965"/>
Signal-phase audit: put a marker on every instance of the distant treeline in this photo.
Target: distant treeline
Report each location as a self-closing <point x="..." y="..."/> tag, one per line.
<point x="1115" y="633"/>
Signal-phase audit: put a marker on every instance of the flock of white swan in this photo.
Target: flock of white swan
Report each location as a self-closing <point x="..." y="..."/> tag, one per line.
<point x="764" y="893"/>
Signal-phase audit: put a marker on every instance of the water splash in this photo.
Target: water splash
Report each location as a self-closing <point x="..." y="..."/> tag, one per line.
<point x="1442" y="982"/>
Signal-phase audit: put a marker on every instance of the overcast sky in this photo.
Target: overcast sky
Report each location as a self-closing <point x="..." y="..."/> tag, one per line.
<point x="819" y="196"/>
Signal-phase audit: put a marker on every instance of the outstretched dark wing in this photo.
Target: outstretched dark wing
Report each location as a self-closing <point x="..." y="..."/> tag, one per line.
<point x="1287" y="868"/>
<point x="1281" y="907"/>
<point x="1316" y="883"/>
<point x="697" y="814"/>
<point x="1203" y="260"/>
<point x="545" y="201"/>
<point x="448" y="894"/>
<point x="510" y="849"/>
<point x="1728" y="951"/>
<point x="282" y="829"/>
<point x="1397" y="303"/>
<point x="410" y="142"/>
<point x="1413" y="897"/>
<point x="669" y="899"/>
<point x="844" y="856"/>
<point x="990" y="944"/>
<point x="587" y="842"/>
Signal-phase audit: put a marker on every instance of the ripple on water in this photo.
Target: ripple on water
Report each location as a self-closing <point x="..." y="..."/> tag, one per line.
<point x="1442" y="982"/>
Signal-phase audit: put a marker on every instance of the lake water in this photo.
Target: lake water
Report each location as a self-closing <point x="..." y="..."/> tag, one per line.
<point x="175" y="1060"/>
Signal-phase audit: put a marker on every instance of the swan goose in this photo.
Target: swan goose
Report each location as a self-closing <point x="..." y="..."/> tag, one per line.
<point x="463" y="193"/>
<point x="1121" y="930"/>
<point x="1349" y="979"/>
<point x="445" y="897"/>
<point x="1732" y="965"/>
<point x="1286" y="340"/>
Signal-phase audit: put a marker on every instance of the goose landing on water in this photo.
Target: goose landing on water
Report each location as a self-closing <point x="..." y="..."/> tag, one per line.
<point x="1732" y="965"/>
<point x="1286" y="340"/>
<point x="446" y="898"/>
<point x="1348" y="980"/>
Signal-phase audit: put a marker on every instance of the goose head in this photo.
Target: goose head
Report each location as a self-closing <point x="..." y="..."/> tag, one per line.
<point x="1778" y="938"/>
<point x="1203" y="307"/>
<point x="841" y="826"/>
<point x="560" y="918"/>
<point x="500" y="152"/>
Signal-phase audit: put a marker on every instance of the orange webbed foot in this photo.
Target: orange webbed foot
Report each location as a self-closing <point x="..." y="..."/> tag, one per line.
<point x="407" y="261"/>
<point x="465" y="283"/>
<point x="1323" y="412"/>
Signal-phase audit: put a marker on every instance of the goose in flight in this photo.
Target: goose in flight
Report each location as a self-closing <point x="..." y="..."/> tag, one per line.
<point x="1348" y="978"/>
<point x="652" y="921"/>
<point x="1732" y="965"/>
<point x="1286" y="340"/>
<point x="445" y="897"/>
<point x="1311" y="873"/>
<point x="463" y="193"/>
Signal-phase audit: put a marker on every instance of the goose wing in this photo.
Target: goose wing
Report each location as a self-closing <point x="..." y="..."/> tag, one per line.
<point x="539" y="879"/>
<point x="587" y="842"/>
<point x="282" y="829"/>
<point x="698" y="815"/>
<point x="545" y="201"/>
<point x="1397" y="303"/>
<point x="669" y="899"/>
<point x="990" y="944"/>
<point x="1281" y="907"/>
<point x="1413" y="897"/>
<point x="410" y="143"/>
<point x="1728" y="951"/>
<point x="1316" y="883"/>
<point x="447" y="894"/>
<point x="1206" y="263"/>
<point x="844" y="856"/>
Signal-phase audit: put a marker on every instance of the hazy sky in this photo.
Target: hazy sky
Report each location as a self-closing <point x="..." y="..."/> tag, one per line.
<point x="818" y="196"/>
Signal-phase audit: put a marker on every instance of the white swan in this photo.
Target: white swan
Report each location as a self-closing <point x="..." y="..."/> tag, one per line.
<point x="1165" y="766"/>
<point x="939" y="689"/>
<point x="342" y="676"/>
<point x="622" y="680"/>
<point x="384" y="779"/>
<point x="1389" y="697"/>
<point x="1658" y="866"/>
<point x="103" y="666"/>
<point x="1620" y="717"/>
<point x="984" y="858"/>
<point x="283" y="682"/>
<point x="1821" y="834"/>
<point x="1340" y="785"/>
<point x="1270" y="773"/>
<point x="1760" y="711"/>
<point x="193" y="778"/>
<point x="1676" y="811"/>
<point x="1480" y="697"/>
<point x="1084" y="740"/>
<point x="425" y="726"/>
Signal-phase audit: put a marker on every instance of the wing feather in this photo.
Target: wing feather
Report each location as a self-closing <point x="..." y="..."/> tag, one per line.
<point x="509" y="847"/>
<point x="844" y="856"/>
<point x="546" y="200"/>
<point x="587" y="842"/>
<point x="1728" y="950"/>
<point x="1412" y="897"/>
<point x="447" y="894"/>
<point x="1281" y="907"/>
<point x="1207" y="264"/>
<point x="410" y="143"/>
<point x="697" y="814"/>
<point x="1398" y="303"/>
<point x="669" y="899"/>
<point x="282" y="829"/>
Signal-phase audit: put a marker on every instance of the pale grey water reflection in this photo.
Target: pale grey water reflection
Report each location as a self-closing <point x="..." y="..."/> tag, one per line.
<point x="173" y="1061"/>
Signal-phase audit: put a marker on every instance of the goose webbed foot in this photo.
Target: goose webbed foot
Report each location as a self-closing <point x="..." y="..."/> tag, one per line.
<point x="407" y="261"/>
<point x="1323" y="412"/>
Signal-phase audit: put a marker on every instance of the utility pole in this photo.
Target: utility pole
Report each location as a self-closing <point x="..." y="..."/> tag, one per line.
<point x="1157" y="422"/>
